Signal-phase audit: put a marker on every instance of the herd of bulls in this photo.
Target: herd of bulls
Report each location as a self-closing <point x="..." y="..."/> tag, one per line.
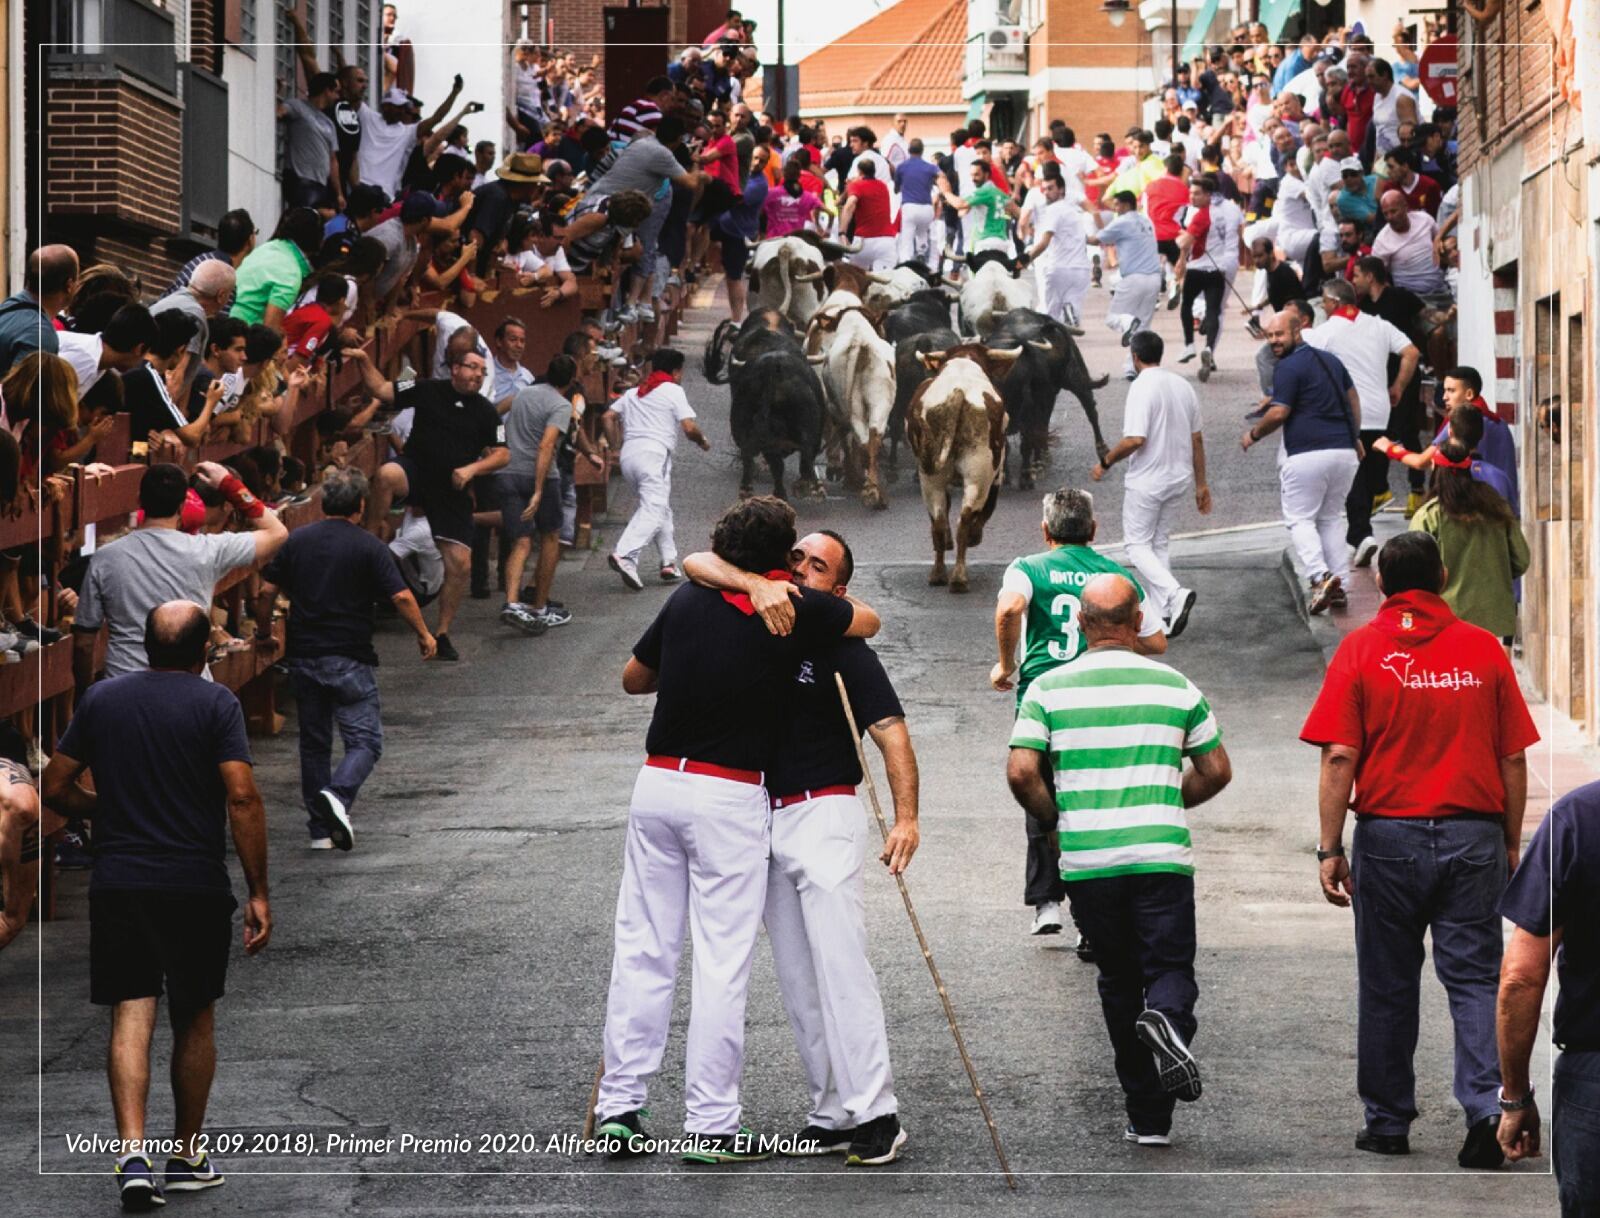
<point x="836" y="360"/>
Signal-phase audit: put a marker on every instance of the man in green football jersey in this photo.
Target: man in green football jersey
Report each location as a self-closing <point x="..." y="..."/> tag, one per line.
<point x="1043" y="591"/>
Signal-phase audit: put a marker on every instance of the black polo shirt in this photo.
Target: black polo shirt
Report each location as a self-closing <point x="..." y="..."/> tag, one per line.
<point x="817" y="750"/>
<point x="451" y="429"/>
<point x="1557" y="885"/>
<point x="1400" y="307"/>
<point x="724" y="681"/>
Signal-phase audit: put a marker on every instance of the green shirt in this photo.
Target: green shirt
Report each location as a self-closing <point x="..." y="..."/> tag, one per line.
<point x="270" y="275"/>
<point x="1117" y="726"/>
<point x="1481" y="560"/>
<point x="1049" y="584"/>
<point x="989" y="204"/>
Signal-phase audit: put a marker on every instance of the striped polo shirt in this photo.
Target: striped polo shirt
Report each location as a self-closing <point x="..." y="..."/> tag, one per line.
<point x="1117" y="726"/>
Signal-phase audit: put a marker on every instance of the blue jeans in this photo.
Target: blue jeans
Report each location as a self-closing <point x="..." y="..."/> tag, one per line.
<point x="1142" y="929"/>
<point x="1575" y="1133"/>
<point x="1412" y="876"/>
<point x="329" y="690"/>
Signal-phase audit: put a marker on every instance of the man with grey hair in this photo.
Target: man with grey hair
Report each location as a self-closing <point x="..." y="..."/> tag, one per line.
<point x="1042" y="591"/>
<point x="334" y="571"/>
<point x="208" y="292"/>
<point x="1126" y="860"/>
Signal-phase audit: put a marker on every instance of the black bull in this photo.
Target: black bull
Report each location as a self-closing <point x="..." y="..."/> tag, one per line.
<point x="1050" y="362"/>
<point x="777" y="404"/>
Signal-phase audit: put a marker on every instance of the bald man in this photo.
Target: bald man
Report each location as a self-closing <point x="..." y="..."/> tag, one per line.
<point x="207" y="293"/>
<point x="160" y="900"/>
<point x="1405" y="244"/>
<point x="48" y="283"/>
<point x="1125" y="852"/>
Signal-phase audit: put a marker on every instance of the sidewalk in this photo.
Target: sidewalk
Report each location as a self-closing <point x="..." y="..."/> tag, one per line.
<point x="1560" y="761"/>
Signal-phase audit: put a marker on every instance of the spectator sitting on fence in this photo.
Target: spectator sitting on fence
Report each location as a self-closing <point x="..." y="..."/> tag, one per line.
<point x="158" y="562"/>
<point x="210" y="288"/>
<point x="447" y="269"/>
<point x="224" y="356"/>
<point x="151" y="391"/>
<point x="269" y="279"/>
<point x="120" y="347"/>
<point x="534" y="269"/>
<point x="358" y="268"/>
<point x="519" y="183"/>
<point x="401" y="237"/>
<point x="308" y="329"/>
<point x="362" y="212"/>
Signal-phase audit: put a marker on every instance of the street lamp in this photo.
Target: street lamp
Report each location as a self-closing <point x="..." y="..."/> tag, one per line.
<point x="1116" y="11"/>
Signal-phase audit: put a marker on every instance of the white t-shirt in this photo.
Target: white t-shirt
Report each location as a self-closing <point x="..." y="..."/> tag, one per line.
<point x="882" y="167"/>
<point x="895" y="147"/>
<point x="351" y="296"/>
<point x="1363" y="346"/>
<point x="385" y="148"/>
<point x="1222" y="238"/>
<point x="400" y="426"/>
<point x="654" y="419"/>
<point x="1162" y="407"/>
<point x="1067" y="248"/>
<point x="83" y="352"/>
<point x="1412" y="264"/>
<point x="531" y="261"/>
<point x="446" y="324"/>
<point x="1293" y="208"/>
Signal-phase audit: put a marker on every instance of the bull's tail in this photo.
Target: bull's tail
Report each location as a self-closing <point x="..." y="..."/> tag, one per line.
<point x="785" y="253"/>
<point x="1101" y="383"/>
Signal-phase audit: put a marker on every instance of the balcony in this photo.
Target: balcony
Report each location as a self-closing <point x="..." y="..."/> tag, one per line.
<point x="135" y="36"/>
<point x="996" y="60"/>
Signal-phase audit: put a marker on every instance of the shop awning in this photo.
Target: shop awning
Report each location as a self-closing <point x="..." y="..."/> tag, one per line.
<point x="1197" y="32"/>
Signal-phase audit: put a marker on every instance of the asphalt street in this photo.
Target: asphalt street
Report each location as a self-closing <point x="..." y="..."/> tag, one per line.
<point x="446" y="980"/>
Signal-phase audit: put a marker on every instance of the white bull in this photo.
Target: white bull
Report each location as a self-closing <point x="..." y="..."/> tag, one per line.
<point x="786" y="275"/>
<point x="858" y="371"/>
<point x="989" y="295"/>
<point x="886" y="289"/>
<point x="956" y="427"/>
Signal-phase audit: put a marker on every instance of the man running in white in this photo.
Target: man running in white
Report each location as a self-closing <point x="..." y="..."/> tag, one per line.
<point x="651" y="416"/>
<point x="1166" y="457"/>
<point x="1060" y="257"/>
<point x="1133" y="236"/>
<point x="1209" y="238"/>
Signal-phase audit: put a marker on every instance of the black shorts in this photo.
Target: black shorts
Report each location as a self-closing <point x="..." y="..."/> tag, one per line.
<point x="142" y="938"/>
<point x="515" y="490"/>
<point x="448" y="510"/>
<point x="735" y="253"/>
<point x="305" y="192"/>
<point x="1168" y="249"/>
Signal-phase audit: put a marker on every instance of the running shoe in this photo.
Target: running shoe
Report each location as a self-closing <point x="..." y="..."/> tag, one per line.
<point x="1380" y="500"/>
<point x="670" y="573"/>
<point x="1159" y="1140"/>
<point x="876" y="1142"/>
<point x="1179" y="1073"/>
<point x="1322" y="590"/>
<point x="815" y="1140"/>
<point x="1048" y="920"/>
<point x="711" y="1149"/>
<point x="136" y="1180"/>
<point x="553" y="615"/>
<point x="446" y="650"/>
<point x="1129" y="330"/>
<point x="1365" y="549"/>
<point x="1189" y="352"/>
<point x="1208" y="363"/>
<point x="192" y="1175"/>
<point x="1180" y="620"/>
<point x="520" y="617"/>
<point x="625" y="1133"/>
<point x="335" y="817"/>
<point x="628" y="569"/>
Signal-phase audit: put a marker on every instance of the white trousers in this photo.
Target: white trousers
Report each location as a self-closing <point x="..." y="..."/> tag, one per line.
<point x="695" y="853"/>
<point x="916" y="233"/>
<point x="1313" y="486"/>
<point x="1135" y="296"/>
<point x="648" y="467"/>
<point x="1062" y="289"/>
<point x="875" y="254"/>
<point x="414" y="549"/>
<point x="1146" y="526"/>
<point x="816" y="921"/>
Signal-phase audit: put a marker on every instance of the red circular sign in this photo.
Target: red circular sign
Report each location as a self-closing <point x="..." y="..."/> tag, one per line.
<point x="1437" y="71"/>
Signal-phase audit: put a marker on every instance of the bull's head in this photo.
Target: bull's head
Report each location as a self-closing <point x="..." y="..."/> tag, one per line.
<point x="811" y="273"/>
<point x="995" y="362"/>
<point x="835" y="250"/>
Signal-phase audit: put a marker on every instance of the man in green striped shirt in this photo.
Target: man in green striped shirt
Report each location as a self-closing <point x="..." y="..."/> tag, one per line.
<point x="1038" y="611"/>
<point x="1113" y="728"/>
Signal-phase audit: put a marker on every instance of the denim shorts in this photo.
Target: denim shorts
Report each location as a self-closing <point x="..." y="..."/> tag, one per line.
<point x="515" y="491"/>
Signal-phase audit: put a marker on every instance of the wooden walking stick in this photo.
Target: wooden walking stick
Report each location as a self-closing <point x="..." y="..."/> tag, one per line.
<point x="594" y="1098"/>
<point x="922" y="941"/>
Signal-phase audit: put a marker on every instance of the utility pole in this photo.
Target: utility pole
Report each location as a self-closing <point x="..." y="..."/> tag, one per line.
<point x="1174" y="22"/>
<point x="780" y="108"/>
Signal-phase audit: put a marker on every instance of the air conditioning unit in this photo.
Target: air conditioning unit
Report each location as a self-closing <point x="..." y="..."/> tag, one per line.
<point x="1005" y="49"/>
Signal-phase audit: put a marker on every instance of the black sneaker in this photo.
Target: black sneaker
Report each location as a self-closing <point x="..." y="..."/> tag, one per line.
<point x="1178" y="1071"/>
<point x="1160" y="1141"/>
<point x="481" y="592"/>
<point x="1481" y="1150"/>
<point x="876" y="1142"/>
<point x="712" y="1148"/>
<point x="529" y="597"/>
<point x="1181" y="619"/>
<point x="186" y="1177"/>
<point x="30" y="629"/>
<point x="626" y="1133"/>
<point x="1383" y="1143"/>
<point x="815" y="1140"/>
<point x="72" y="852"/>
<point x="446" y="649"/>
<point x="136" y="1178"/>
<point x="335" y="818"/>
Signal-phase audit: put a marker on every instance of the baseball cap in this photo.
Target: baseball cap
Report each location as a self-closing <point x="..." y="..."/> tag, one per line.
<point x="1352" y="164"/>
<point x="397" y="97"/>
<point x="419" y="205"/>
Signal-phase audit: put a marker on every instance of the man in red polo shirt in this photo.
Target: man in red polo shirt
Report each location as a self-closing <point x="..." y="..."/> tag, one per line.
<point x="867" y="206"/>
<point x="1405" y="175"/>
<point x="1356" y="101"/>
<point x="1420" y="713"/>
<point x="1164" y="198"/>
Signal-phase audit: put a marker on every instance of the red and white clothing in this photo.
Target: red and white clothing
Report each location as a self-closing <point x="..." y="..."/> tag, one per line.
<point x="874" y="224"/>
<point x="1215" y="229"/>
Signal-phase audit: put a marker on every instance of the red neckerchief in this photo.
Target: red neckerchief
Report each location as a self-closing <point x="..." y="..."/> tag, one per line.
<point x="1348" y="312"/>
<point x="1444" y="462"/>
<point x="1483" y="408"/>
<point x="653" y="382"/>
<point x="743" y="603"/>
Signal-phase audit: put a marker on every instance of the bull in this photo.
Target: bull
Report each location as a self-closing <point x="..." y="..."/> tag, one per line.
<point x="1050" y="362"/>
<point x="956" y="426"/>
<point x="858" y="369"/>
<point x="992" y="292"/>
<point x="785" y="274"/>
<point x="886" y="289"/>
<point x="777" y="403"/>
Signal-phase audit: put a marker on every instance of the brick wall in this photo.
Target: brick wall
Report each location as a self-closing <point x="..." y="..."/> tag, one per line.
<point x="149" y="260"/>
<point x="112" y="149"/>
<point x="205" y="46"/>
<point x="580" y="26"/>
<point x="1506" y="84"/>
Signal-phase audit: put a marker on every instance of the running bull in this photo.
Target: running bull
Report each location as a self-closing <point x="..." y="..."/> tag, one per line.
<point x="1050" y="362"/>
<point x="777" y="405"/>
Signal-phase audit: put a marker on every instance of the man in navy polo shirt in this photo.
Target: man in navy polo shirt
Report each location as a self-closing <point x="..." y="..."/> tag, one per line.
<point x="1315" y="402"/>
<point x="816" y="915"/>
<point x="1554" y="899"/>
<point x="698" y="827"/>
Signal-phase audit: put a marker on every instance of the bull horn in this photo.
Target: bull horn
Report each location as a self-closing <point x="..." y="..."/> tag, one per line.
<point x="820" y="357"/>
<point x="877" y="277"/>
<point x="850" y="247"/>
<point x="808" y="278"/>
<point x="1033" y="342"/>
<point x="735" y="362"/>
<point x="953" y="281"/>
<point x="1014" y="352"/>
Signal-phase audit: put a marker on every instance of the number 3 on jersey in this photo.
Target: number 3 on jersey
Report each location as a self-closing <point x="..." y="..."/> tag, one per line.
<point x="1064" y="613"/>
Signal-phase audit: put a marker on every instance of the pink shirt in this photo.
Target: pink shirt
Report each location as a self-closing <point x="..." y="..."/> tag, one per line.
<point x="787" y="215"/>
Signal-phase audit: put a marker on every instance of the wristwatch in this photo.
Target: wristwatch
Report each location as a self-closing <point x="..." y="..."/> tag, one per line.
<point x="1336" y="853"/>
<point x="1514" y="1105"/>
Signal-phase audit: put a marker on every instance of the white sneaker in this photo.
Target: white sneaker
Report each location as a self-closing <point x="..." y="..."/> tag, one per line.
<point x="627" y="316"/>
<point x="628" y="569"/>
<point x="1130" y="1134"/>
<point x="1365" y="550"/>
<point x="645" y="312"/>
<point x="1048" y="920"/>
<point x="1189" y="352"/>
<point x="322" y="843"/>
<point x="336" y="818"/>
<point x="1208" y="363"/>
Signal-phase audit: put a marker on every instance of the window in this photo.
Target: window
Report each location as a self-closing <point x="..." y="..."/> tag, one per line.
<point x="336" y="30"/>
<point x="247" y="24"/>
<point x="1548" y="463"/>
<point x="1575" y="421"/>
<point x="363" y="48"/>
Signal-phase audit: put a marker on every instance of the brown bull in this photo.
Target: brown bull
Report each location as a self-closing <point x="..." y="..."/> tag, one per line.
<point x="956" y="427"/>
